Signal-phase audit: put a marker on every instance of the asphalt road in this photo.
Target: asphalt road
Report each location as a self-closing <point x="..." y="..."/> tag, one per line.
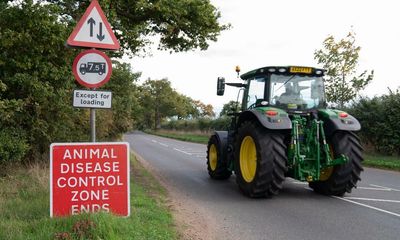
<point x="372" y="211"/>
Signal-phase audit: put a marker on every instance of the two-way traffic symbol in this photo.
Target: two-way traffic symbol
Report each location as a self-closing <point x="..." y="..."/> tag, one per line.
<point x="93" y="30"/>
<point x="92" y="22"/>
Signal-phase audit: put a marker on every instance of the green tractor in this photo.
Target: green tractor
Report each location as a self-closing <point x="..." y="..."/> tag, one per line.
<point x="284" y="129"/>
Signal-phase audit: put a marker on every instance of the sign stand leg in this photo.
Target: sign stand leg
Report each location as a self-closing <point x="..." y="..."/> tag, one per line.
<point x="93" y="125"/>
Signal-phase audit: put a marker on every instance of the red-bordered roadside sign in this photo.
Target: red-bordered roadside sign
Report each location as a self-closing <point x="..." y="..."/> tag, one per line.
<point x="89" y="177"/>
<point x="92" y="68"/>
<point x="93" y="30"/>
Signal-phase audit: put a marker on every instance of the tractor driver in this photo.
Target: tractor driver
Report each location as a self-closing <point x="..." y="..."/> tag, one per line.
<point x="291" y="95"/>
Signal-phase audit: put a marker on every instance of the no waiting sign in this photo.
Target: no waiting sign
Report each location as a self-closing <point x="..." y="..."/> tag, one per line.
<point x="89" y="177"/>
<point x="92" y="68"/>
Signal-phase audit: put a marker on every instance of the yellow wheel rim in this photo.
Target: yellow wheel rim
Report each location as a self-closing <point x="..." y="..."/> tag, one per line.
<point x="248" y="159"/>
<point x="213" y="157"/>
<point x="327" y="172"/>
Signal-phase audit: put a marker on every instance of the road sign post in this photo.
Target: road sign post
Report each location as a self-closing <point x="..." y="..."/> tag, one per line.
<point x="93" y="125"/>
<point x="92" y="68"/>
<point x="89" y="177"/>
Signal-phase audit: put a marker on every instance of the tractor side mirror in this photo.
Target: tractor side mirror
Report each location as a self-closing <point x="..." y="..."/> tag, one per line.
<point x="220" y="86"/>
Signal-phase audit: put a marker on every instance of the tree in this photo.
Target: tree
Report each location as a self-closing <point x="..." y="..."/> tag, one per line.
<point x="205" y="110"/>
<point x="159" y="101"/>
<point x="340" y="59"/>
<point x="36" y="83"/>
<point x="229" y="107"/>
<point x="186" y="108"/>
<point x="126" y="110"/>
<point x="36" y="87"/>
<point x="180" y="25"/>
<point x="35" y="74"/>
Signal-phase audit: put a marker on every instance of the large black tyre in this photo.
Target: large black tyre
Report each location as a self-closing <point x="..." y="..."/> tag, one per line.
<point x="342" y="177"/>
<point x="260" y="160"/>
<point x="216" y="164"/>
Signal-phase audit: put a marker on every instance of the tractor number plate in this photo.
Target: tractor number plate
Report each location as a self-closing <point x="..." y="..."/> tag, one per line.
<point x="300" y="70"/>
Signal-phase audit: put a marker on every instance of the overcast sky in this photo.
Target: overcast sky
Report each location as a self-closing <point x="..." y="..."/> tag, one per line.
<point x="285" y="32"/>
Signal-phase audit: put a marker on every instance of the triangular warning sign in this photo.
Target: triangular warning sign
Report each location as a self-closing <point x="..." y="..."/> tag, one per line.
<point x="93" y="30"/>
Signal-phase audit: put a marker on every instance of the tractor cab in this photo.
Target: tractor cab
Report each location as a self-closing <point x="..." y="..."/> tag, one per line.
<point x="293" y="89"/>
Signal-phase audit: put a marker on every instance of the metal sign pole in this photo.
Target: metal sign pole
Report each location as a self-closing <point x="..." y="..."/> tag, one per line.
<point x="93" y="123"/>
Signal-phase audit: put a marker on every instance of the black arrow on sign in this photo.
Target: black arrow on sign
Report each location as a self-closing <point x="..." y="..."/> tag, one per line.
<point x="92" y="22"/>
<point x="101" y="36"/>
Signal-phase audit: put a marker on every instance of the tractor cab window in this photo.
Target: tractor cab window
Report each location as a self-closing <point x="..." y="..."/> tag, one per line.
<point x="256" y="92"/>
<point x="297" y="92"/>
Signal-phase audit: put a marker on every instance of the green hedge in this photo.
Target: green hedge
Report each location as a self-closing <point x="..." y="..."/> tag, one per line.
<point x="380" y="121"/>
<point x="202" y="124"/>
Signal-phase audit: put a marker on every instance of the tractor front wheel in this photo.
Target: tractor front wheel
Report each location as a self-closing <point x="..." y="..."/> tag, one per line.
<point x="342" y="178"/>
<point x="216" y="164"/>
<point x="260" y="160"/>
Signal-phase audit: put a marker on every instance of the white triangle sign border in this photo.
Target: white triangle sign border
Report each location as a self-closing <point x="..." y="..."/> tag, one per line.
<point x="87" y="34"/>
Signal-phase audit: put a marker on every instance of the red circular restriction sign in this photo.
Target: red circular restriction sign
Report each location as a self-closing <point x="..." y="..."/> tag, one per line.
<point x="92" y="68"/>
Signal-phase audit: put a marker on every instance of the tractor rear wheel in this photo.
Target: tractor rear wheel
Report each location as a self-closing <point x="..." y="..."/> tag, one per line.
<point x="216" y="164"/>
<point x="342" y="178"/>
<point x="260" y="160"/>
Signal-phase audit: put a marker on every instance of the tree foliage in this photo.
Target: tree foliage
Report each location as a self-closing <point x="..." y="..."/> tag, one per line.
<point x="204" y="110"/>
<point x="126" y="110"/>
<point x="180" y="25"/>
<point x="231" y="106"/>
<point x="340" y="59"/>
<point x="160" y="101"/>
<point x="35" y="74"/>
<point x="36" y="87"/>
<point x="379" y="118"/>
<point x="36" y="81"/>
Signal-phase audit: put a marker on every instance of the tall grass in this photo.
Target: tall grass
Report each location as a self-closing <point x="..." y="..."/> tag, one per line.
<point x="24" y="210"/>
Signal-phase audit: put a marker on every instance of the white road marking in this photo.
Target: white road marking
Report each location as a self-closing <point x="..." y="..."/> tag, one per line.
<point x="373" y="199"/>
<point x="300" y="183"/>
<point x="182" y="151"/>
<point x="372" y="188"/>
<point x="154" y="141"/>
<point x="368" y="206"/>
<point x="194" y="152"/>
<point x="163" y="144"/>
<point x="387" y="188"/>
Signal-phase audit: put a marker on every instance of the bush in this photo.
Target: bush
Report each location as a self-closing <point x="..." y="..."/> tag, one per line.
<point x="380" y="121"/>
<point x="12" y="148"/>
<point x="204" y="125"/>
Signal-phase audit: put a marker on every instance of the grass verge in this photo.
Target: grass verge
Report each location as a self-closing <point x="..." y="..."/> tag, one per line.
<point x="384" y="162"/>
<point x="376" y="161"/>
<point x="24" y="208"/>
<point x="189" y="137"/>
